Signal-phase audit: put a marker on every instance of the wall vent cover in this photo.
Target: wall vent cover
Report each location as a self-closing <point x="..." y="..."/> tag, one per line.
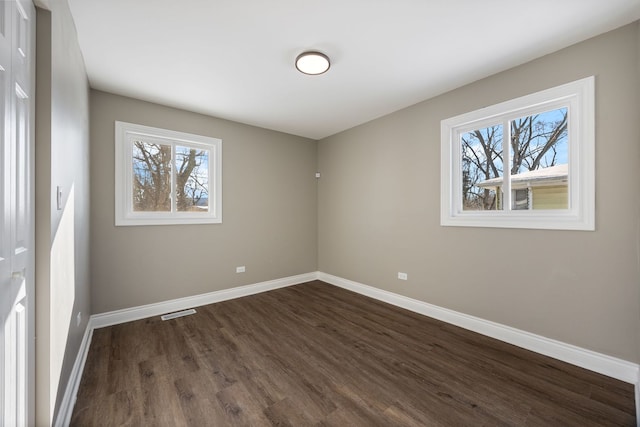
<point x="178" y="314"/>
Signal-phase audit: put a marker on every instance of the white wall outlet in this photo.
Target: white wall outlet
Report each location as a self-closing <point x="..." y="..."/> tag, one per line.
<point x="317" y="174"/>
<point x="59" y="198"/>
<point x="79" y="318"/>
<point x="402" y="276"/>
<point x="240" y="269"/>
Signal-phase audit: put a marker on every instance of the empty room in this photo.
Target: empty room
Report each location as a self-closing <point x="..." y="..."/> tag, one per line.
<point x="356" y="213"/>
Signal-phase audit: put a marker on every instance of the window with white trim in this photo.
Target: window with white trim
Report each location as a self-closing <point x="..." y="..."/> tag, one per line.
<point x="524" y="163"/>
<point x="166" y="177"/>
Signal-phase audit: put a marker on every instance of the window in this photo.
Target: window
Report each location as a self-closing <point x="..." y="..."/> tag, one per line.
<point x="524" y="163"/>
<point x="167" y="177"/>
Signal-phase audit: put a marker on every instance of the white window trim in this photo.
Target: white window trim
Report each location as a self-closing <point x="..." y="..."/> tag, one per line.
<point x="124" y="214"/>
<point x="579" y="97"/>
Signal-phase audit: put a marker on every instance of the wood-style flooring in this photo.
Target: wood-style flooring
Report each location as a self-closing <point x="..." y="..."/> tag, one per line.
<point x="318" y="355"/>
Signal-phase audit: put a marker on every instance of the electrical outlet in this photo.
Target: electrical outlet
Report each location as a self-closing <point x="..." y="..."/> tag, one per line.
<point x="79" y="318"/>
<point x="59" y="198"/>
<point x="240" y="269"/>
<point x="402" y="276"/>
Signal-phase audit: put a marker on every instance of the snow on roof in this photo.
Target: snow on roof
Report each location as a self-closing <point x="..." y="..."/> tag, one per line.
<point x="543" y="176"/>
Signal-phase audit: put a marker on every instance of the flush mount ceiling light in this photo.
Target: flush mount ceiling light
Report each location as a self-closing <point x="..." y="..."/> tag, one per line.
<point x="312" y="63"/>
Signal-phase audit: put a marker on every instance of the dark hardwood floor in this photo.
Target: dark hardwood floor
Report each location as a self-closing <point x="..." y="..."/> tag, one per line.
<point x="314" y="354"/>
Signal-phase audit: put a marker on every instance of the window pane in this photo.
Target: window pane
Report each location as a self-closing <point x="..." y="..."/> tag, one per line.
<point x="151" y="177"/>
<point x="520" y="199"/>
<point x="482" y="169"/>
<point x="192" y="179"/>
<point x="539" y="163"/>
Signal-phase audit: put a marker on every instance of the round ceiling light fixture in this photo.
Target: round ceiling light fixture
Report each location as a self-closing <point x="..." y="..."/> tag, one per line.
<point x="312" y="63"/>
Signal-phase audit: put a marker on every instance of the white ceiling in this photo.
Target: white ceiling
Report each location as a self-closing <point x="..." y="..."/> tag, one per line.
<point x="234" y="59"/>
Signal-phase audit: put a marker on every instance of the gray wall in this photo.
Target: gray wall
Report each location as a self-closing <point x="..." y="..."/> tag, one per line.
<point x="62" y="236"/>
<point x="379" y="206"/>
<point x="269" y="213"/>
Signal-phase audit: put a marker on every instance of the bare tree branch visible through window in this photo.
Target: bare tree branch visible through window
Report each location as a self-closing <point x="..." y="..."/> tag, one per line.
<point x="152" y="169"/>
<point x="537" y="141"/>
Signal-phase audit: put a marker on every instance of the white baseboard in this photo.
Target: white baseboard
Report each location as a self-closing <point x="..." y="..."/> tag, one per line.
<point x="135" y="313"/>
<point x="69" y="399"/>
<point x="142" y="312"/>
<point x="597" y="362"/>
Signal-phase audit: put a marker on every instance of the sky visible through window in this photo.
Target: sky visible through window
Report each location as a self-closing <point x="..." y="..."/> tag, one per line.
<point x="153" y="167"/>
<point x="537" y="141"/>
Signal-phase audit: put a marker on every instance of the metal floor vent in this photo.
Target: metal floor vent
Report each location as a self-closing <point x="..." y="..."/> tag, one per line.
<point x="178" y="314"/>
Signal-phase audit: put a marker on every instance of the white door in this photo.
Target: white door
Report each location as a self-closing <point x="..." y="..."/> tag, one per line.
<point x="16" y="221"/>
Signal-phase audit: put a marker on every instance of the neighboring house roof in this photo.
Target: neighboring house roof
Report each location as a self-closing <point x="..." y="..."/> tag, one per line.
<point x="553" y="175"/>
